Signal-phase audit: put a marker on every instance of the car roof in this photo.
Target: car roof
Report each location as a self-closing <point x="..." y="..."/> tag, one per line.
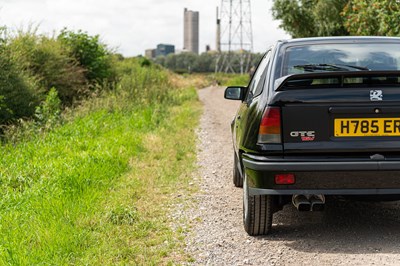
<point x="341" y="39"/>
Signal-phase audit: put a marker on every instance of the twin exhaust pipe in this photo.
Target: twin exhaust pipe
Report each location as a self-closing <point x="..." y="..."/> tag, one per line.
<point x="306" y="203"/>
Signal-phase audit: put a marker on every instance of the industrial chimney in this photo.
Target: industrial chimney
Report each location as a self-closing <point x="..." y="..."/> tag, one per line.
<point x="218" y="37"/>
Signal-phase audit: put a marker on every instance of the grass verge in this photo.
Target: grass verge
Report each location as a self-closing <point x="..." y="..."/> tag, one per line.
<point x="95" y="190"/>
<point x="135" y="225"/>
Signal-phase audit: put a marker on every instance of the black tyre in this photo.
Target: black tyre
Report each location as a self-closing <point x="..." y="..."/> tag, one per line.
<point x="257" y="212"/>
<point x="237" y="177"/>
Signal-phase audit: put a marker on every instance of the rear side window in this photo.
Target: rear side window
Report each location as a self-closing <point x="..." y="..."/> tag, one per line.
<point x="257" y="82"/>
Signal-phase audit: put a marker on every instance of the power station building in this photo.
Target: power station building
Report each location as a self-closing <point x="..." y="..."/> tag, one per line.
<point x="165" y="49"/>
<point x="191" y="31"/>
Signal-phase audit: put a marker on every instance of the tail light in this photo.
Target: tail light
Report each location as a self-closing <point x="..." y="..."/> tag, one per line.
<point x="285" y="179"/>
<point x="270" y="127"/>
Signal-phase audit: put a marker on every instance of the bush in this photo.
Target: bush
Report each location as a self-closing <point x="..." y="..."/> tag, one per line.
<point x="17" y="89"/>
<point x="91" y="55"/>
<point x="73" y="63"/>
<point x="47" y="60"/>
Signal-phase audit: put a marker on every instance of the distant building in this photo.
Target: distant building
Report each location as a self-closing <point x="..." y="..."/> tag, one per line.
<point x="191" y="31"/>
<point x="150" y="53"/>
<point x="165" y="49"/>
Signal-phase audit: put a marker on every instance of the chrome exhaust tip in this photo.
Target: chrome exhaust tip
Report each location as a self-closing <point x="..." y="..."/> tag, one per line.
<point x="301" y="203"/>
<point x="317" y="203"/>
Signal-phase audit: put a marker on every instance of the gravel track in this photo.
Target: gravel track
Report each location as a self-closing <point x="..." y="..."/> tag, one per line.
<point x="346" y="233"/>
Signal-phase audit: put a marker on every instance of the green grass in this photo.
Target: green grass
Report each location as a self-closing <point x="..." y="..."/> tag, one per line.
<point x="225" y="80"/>
<point x="162" y="170"/>
<point x="237" y="80"/>
<point x="96" y="190"/>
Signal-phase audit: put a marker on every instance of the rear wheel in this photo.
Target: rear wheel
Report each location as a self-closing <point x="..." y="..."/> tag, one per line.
<point x="237" y="178"/>
<point x="257" y="212"/>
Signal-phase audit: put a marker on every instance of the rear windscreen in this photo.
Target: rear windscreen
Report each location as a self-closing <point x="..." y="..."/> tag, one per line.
<point x="341" y="57"/>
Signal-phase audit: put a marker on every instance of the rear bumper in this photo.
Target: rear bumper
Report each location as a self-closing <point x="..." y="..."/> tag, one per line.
<point x="261" y="191"/>
<point x="329" y="177"/>
<point x="321" y="166"/>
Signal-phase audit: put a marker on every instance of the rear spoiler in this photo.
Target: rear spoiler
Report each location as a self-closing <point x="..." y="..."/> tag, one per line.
<point x="306" y="79"/>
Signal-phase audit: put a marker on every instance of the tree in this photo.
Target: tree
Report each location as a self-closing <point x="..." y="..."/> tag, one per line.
<point x="203" y="63"/>
<point x="186" y="62"/>
<point x="372" y="17"/>
<point x="327" y="14"/>
<point x="296" y="17"/>
<point x="309" y="18"/>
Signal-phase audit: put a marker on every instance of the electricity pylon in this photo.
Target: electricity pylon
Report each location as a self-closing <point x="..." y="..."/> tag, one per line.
<point x="234" y="35"/>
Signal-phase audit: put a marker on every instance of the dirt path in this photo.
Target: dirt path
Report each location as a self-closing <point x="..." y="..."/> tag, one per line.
<point x="347" y="233"/>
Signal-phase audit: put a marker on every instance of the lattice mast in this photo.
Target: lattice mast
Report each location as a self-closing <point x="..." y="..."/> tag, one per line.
<point x="234" y="35"/>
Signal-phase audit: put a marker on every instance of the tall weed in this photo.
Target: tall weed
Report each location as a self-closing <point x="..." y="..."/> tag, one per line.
<point x="143" y="84"/>
<point x="48" y="114"/>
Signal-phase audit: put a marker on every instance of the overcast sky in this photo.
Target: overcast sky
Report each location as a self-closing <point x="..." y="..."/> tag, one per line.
<point x="131" y="26"/>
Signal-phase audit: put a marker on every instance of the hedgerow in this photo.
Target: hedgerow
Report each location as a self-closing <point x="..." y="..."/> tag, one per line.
<point x="31" y="64"/>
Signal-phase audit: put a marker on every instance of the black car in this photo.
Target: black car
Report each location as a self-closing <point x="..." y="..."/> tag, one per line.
<point x="320" y="116"/>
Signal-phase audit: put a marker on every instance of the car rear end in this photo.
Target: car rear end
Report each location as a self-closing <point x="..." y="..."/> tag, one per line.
<point x="338" y="141"/>
<point x="333" y="110"/>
